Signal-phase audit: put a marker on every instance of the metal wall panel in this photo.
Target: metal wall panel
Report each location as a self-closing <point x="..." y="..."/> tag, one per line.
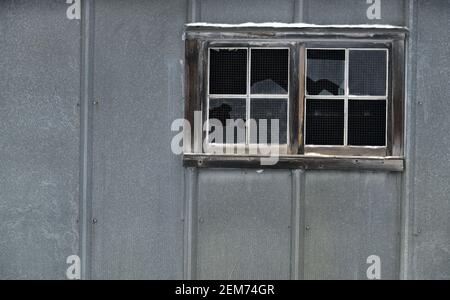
<point x="244" y="224"/>
<point x="137" y="181"/>
<point x="39" y="134"/>
<point x="350" y="216"/>
<point x="431" y="231"/>
<point x="242" y="11"/>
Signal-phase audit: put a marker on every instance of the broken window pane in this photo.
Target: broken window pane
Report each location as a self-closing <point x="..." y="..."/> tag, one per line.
<point x="229" y="109"/>
<point x="367" y="122"/>
<point x="228" y="71"/>
<point x="269" y="109"/>
<point x="324" y="122"/>
<point x="269" y="71"/>
<point x="367" y="72"/>
<point x="325" y="72"/>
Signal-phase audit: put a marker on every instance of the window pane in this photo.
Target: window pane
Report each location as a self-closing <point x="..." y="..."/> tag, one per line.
<point x="367" y="122"/>
<point x="269" y="71"/>
<point x="367" y="72"/>
<point x="325" y="72"/>
<point x="229" y="109"/>
<point x="228" y="71"/>
<point x="269" y="109"/>
<point x="324" y="122"/>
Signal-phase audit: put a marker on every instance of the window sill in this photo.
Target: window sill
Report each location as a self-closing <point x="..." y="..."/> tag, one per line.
<point x="307" y="162"/>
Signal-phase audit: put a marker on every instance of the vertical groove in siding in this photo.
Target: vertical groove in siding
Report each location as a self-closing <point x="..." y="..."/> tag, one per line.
<point x="194" y="11"/>
<point x="86" y="92"/>
<point x="297" y="225"/>
<point x="407" y="218"/>
<point x="299" y="11"/>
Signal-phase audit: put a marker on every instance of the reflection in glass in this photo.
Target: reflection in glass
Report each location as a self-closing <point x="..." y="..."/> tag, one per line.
<point x="229" y="109"/>
<point x="325" y="72"/>
<point x="269" y="71"/>
<point x="269" y="109"/>
<point x="367" y="72"/>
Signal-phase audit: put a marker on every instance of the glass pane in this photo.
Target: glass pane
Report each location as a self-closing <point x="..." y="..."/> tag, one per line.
<point x="229" y="109"/>
<point x="325" y="72"/>
<point x="324" y="122"/>
<point x="367" y="72"/>
<point x="269" y="109"/>
<point x="228" y="71"/>
<point x="367" y="122"/>
<point x="269" y="71"/>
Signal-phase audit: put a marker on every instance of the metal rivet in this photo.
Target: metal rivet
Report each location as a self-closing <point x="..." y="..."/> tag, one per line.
<point x="94" y="221"/>
<point x="308" y="228"/>
<point x="201" y="220"/>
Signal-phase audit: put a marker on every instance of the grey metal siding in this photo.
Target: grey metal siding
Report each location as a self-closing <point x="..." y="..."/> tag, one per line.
<point x="431" y="209"/>
<point x="244" y="228"/>
<point x="39" y="136"/>
<point x="137" y="181"/>
<point x="349" y="217"/>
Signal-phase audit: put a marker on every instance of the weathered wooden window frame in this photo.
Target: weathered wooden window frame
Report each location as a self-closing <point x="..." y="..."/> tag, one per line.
<point x="198" y="39"/>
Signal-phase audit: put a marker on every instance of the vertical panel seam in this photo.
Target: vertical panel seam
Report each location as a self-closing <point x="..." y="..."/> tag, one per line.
<point x="190" y="224"/>
<point x="194" y="11"/>
<point x="299" y="11"/>
<point x="297" y="224"/>
<point x="86" y="160"/>
<point x="407" y="211"/>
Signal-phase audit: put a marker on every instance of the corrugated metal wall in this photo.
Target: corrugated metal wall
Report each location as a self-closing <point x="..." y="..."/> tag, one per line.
<point x="157" y="220"/>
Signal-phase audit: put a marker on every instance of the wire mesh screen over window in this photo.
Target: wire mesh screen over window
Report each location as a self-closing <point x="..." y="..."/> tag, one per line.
<point x="367" y="122"/>
<point x="326" y="72"/>
<point x="367" y="72"/>
<point x="324" y="122"/>
<point x="228" y="71"/>
<point x="233" y="110"/>
<point x="269" y="71"/>
<point x="263" y="111"/>
<point x="249" y="82"/>
<point x="336" y="81"/>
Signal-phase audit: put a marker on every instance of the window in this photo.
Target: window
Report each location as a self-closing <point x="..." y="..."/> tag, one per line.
<point x="326" y="97"/>
<point x="249" y="83"/>
<point x="346" y="97"/>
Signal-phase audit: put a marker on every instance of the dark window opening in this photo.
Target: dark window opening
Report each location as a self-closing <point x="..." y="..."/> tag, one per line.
<point x="325" y="122"/>
<point x="269" y="71"/>
<point x="263" y="111"/>
<point x="225" y="110"/>
<point x="228" y="71"/>
<point x="367" y="122"/>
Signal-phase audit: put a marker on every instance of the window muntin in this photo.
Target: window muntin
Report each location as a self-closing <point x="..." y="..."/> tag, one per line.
<point x="365" y="78"/>
<point x="267" y="81"/>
